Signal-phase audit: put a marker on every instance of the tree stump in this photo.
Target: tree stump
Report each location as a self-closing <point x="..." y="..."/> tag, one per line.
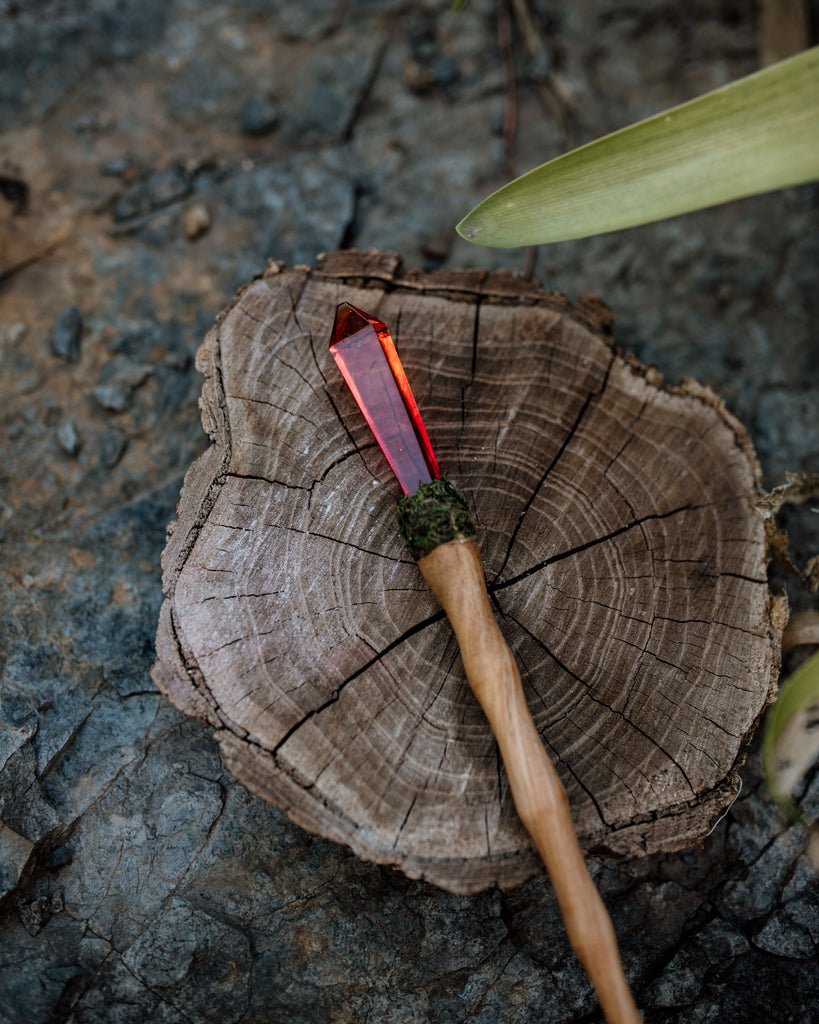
<point x="623" y="557"/>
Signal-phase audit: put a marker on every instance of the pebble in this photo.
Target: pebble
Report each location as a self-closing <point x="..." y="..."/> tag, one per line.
<point x="259" y="116"/>
<point x="117" y="167"/>
<point x="445" y="71"/>
<point x="15" y="333"/>
<point x="68" y="438"/>
<point x="133" y="202"/>
<point x="420" y="77"/>
<point x="195" y="220"/>
<point x="102" y="121"/>
<point x="114" y="396"/>
<point x="166" y="186"/>
<point x="36" y="914"/>
<point x="112" y="448"/>
<point x="66" y="333"/>
<point x="159" y="189"/>
<point x="118" y="382"/>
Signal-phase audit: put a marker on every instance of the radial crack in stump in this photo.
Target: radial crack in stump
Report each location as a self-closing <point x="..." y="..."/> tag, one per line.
<point x="623" y="556"/>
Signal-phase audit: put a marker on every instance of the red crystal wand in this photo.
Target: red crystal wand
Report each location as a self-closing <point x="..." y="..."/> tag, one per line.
<point x="435" y="522"/>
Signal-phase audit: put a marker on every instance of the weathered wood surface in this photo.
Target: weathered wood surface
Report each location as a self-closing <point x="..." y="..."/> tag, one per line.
<point x="623" y="557"/>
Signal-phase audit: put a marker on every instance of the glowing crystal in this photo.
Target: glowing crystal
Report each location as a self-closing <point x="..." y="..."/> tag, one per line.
<point x="364" y="352"/>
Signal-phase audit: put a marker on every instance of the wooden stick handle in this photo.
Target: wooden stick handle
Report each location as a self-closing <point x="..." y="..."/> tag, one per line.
<point x="454" y="572"/>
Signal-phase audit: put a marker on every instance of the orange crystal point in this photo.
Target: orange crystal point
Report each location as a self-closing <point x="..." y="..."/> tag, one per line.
<point x="364" y="352"/>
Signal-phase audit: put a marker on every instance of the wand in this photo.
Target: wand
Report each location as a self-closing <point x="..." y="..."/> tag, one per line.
<point x="434" y="520"/>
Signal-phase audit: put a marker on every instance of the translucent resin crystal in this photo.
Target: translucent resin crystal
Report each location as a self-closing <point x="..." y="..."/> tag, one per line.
<point x="364" y="352"/>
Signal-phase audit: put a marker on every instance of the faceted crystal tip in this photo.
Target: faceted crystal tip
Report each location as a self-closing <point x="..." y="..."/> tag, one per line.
<point x="364" y="352"/>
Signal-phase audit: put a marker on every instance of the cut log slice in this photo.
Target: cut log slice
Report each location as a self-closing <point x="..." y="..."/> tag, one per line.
<point x="623" y="556"/>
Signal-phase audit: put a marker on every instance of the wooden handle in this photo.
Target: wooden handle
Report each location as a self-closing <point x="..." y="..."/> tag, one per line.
<point x="454" y="572"/>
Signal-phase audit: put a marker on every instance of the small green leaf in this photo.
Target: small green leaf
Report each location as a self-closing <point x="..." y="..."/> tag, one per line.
<point x="458" y="5"/>
<point x="790" y="745"/>
<point x="754" y="135"/>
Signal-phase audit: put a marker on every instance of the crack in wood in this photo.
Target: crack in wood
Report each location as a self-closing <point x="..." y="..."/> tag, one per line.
<point x="343" y="541"/>
<point x="286" y="484"/>
<point x="358" y="449"/>
<point x="272" y="405"/>
<point x="558" y="455"/>
<point x="601" y="703"/>
<point x="376" y="659"/>
<point x="586" y="546"/>
<point x="279" y="761"/>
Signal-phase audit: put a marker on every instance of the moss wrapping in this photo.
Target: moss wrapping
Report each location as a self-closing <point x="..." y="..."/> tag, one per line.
<point x="435" y="514"/>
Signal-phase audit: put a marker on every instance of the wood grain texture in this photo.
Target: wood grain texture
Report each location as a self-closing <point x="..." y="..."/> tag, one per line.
<point x="624" y="562"/>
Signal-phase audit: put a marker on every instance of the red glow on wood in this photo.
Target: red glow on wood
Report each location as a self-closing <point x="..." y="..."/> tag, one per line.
<point x="364" y="352"/>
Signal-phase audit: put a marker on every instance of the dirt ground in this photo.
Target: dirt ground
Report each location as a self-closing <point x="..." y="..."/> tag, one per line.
<point x="154" y="154"/>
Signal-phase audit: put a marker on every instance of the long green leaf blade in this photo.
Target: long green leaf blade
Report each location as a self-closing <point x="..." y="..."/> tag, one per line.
<point x="754" y="135"/>
<point x="791" y="741"/>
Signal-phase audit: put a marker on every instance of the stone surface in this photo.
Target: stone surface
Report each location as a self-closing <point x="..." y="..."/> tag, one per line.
<point x="121" y="826"/>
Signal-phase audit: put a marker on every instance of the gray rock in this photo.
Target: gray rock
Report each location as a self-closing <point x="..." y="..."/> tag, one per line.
<point x="788" y="933"/>
<point x="259" y="116"/>
<point x="755" y="894"/>
<point x="793" y="929"/>
<point x="36" y="969"/>
<point x="68" y="438"/>
<point x="683" y="980"/>
<point x="296" y="208"/>
<point x="66" y="334"/>
<point x="119" y="379"/>
<point x="134" y="202"/>
<point x="160" y="188"/>
<point x="167" y="186"/>
<point x="15" y="851"/>
<point x="59" y="857"/>
<point x="751" y="825"/>
<point x="20" y="720"/>
<point x="791" y="434"/>
<point x="117" y="166"/>
<point x="138" y="881"/>
<point x="36" y="914"/>
<point x="309" y="20"/>
<point x="204" y="89"/>
<point x="28" y="814"/>
<point x="112" y="446"/>
<point x="44" y="52"/>
<point x="325" y="91"/>
<point x="186" y="956"/>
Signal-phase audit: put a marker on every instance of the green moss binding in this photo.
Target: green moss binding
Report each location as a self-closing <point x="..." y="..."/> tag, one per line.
<point x="435" y="514"/>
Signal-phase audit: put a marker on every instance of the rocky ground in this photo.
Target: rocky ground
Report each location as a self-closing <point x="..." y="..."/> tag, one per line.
<point x="153" y="155"/>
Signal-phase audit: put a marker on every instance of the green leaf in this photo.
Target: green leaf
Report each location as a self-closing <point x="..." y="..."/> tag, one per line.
<point x="790" y="745"/>
<point x="458" y="5"/>
<point x="754" y="135"/>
